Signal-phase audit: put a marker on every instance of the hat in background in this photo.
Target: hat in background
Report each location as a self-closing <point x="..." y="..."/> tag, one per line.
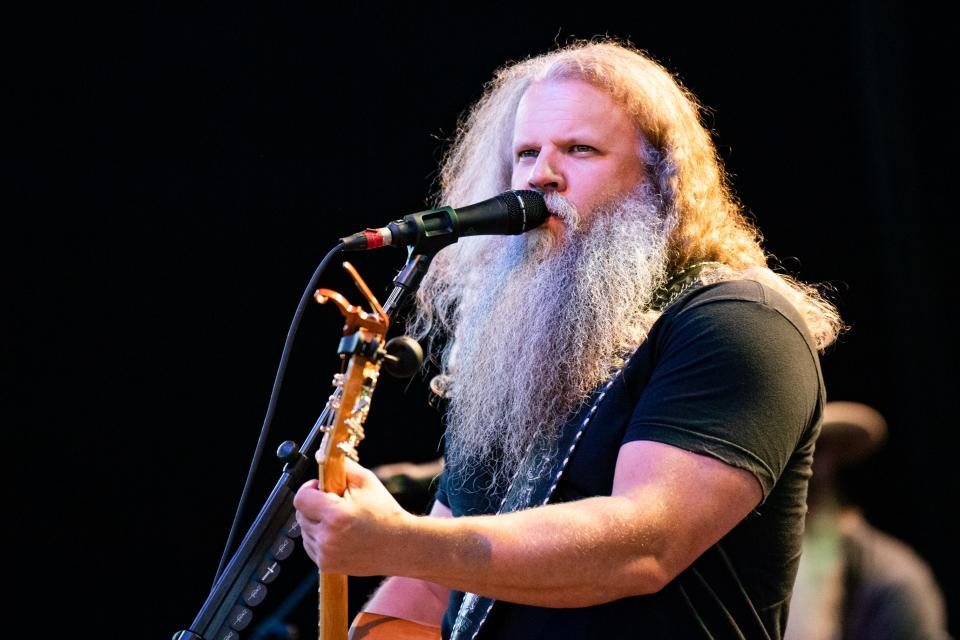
<point x="853" y="429"/>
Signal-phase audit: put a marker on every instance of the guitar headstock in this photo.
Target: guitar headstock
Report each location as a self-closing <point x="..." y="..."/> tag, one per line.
<point x="362" y="347"/>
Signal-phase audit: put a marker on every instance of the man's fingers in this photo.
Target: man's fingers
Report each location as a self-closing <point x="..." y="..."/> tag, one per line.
<point x="312" y="501"/>
<point x="302" y="499"/>
<point x="313" y="484"/>
<point x="357" y="474"/>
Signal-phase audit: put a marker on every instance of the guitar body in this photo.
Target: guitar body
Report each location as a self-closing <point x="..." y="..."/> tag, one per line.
<point x="373" y="626"/>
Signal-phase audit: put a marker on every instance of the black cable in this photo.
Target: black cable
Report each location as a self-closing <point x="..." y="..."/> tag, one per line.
<point x="272" y="405"/>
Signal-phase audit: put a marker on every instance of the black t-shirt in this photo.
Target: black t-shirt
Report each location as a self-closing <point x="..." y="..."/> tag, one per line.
<point x="727" y="371"/>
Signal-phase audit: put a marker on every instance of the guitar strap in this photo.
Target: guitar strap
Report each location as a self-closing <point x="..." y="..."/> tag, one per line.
<point x="543" y="465"/>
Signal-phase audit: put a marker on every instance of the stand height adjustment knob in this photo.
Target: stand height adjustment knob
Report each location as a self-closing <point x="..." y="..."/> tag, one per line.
<point x="288" y="452"/>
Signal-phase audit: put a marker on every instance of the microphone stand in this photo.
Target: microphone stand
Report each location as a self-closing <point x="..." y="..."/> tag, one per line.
<point x="270" y="539"/>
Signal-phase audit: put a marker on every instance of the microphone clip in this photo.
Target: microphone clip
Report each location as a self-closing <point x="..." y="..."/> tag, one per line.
<point x="425" y="232"/>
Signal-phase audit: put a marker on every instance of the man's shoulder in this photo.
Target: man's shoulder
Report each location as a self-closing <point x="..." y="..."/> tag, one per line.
<point x="739" y="304"/>
<point x="743" y="289"/>
<point x="885" y="558"/>
<point x="746" y="291"/>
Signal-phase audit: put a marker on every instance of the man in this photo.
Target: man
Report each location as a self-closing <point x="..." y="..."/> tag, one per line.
<point x="632" y="394"/>
<point x="856" y="582"/>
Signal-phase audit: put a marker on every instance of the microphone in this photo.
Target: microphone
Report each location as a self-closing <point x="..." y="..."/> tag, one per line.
<point x="510" y="213"/>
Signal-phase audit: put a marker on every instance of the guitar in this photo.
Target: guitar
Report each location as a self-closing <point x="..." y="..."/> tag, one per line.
<point x="373" y="626"/>
<point x="363" y="350"/>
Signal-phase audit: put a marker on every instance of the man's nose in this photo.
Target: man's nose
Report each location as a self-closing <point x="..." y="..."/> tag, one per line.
<point x="545" y="175"/>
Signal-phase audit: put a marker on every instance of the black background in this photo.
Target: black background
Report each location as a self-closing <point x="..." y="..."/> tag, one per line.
<point x="178" y="172"/>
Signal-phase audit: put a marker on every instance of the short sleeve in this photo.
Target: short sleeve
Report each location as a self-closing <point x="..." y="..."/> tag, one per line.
<point x="736" y="378"/>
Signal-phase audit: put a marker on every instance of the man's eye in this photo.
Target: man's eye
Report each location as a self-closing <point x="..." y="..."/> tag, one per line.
<point x="527" y="153"/>
<point x="582" y="148"/>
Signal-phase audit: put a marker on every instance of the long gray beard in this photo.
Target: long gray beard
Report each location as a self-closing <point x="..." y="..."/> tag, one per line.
<point x="538" y="327"/>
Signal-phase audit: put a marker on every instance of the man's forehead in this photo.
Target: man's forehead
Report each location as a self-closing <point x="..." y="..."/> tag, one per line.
<point x="570" y="110"/>
<point x="570" y="95"/>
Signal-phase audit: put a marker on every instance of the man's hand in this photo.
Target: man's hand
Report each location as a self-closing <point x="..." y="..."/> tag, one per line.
<point x="353" y="534"/>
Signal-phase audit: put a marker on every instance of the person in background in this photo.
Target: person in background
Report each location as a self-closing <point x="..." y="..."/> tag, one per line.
<point x="856" y="582"/>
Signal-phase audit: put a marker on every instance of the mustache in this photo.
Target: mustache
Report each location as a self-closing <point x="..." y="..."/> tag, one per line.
<point x="561" y="207"/>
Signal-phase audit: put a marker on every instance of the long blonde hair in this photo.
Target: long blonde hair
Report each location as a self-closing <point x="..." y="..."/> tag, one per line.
<point x="707" y="221"/>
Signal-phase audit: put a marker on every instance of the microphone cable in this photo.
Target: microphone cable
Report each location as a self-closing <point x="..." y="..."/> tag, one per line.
<point x="272" y="404"/>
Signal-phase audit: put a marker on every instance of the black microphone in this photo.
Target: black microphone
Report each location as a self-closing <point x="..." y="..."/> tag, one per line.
<point x="509" y="213"/>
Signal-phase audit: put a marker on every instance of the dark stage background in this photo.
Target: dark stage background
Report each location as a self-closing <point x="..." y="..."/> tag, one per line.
<point x="179" y="172"/>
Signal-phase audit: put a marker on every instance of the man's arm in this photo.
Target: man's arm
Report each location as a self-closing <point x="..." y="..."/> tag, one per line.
<point x="409" y="598"/>
<point x="668" y="506"/>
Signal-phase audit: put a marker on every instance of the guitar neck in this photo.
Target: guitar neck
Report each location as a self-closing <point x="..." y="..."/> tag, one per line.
<point x="333" y="607"/>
